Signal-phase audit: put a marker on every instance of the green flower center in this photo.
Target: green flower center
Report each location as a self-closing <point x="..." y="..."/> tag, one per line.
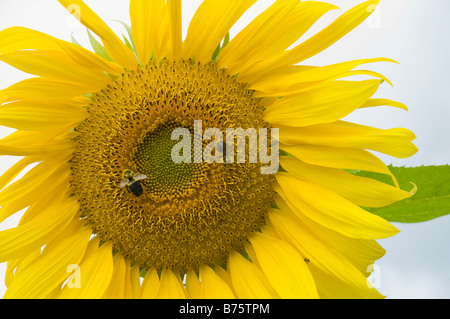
<point x="165" y="178"/>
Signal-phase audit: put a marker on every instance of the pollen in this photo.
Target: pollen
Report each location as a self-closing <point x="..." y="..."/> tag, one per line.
<point x="188" y="214"/>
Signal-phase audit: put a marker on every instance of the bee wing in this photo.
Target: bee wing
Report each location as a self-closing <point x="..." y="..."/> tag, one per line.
<point x="140" y="176"/>
<point x="123" y="183"/>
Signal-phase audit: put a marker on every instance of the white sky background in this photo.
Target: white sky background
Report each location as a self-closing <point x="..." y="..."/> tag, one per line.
<point x="412" y="32"/>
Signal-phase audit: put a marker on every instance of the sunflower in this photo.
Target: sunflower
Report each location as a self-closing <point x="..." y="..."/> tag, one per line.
<point x="90" y="121"/>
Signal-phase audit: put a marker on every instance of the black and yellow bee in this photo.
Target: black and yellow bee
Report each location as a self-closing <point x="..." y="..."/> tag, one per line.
<point x="132" y="181"/>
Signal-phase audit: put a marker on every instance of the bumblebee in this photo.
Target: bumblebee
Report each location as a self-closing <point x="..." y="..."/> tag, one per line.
<point x="132" y="181"/>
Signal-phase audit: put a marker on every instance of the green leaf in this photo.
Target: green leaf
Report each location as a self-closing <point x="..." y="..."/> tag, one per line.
<point x="431" y="200"/>
<point x="98" y="47"/>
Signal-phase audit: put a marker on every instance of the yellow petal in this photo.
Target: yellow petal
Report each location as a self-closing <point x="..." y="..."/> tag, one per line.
<point x="359" y="190"/>
<point x="134" y="282"/>
<point x="163" y="40"/>
<point x="395" y="142"/>
<point x="170" y="286"/>
<point x="40" y="88"/>
<point x="15" y="170"/>
<point x="20" y="38"/>
<point x="248" y="280"/>
<point x="212" y="287"/>
<point x="51" y="268"/>
<point x="225" y="276"/>
<point x="96" y="272"/>
<point x="193" y="286"/>
<point x="379" y="102"/>
<point x="174" y="12"/>
<point x="250" y="39"/>
<point x="319" y="254"/>
<point x="35" y="178"/>
<point x="56" y="143"/>
<point x="117" y="50"/>
<point x="25" y="238"/>
<point x="57" y="66"/>
<point x="325" y="38"/>
<point x="54" y="293"/>
<point x="210" y="24"/>
<point x="43" y="151"/>
<point x="296" y="24"/>
<point x="251" y="254"/>
<point x="284" y="268"/>
<point x="40" y="115"/>
<point x="369" y="73"/>
<point x="127" y="287"/>
<point x="280" y="37"/>
<point x="48" y="197"/>
<point x="360" y="252"/>
<point x="332" y="287"/>
<point x="337" y="157"/>
<point x="303" y="87"/>
<point x="116" y="288"/>
<point x="328" y="103"/>
<point x="331" y="210"/>
<point x="15" y="266"/>
<point x="46" y="194"/>
<point x="11" y="267"/>
<point x="283" y="79"/>
<point x="146" y="17"/>
<point x="150" y="285"/>
<point x="32" y="138"/>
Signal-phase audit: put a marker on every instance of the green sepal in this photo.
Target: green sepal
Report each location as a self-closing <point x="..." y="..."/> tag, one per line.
<point x="129" y="42"/>
<point x="221" y="46"/>
<point x="99" y="49"/>
<point x="74" y="40"/>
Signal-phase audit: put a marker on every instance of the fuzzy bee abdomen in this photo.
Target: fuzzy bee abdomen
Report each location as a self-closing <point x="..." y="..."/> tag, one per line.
<point x="136" y="188"/>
